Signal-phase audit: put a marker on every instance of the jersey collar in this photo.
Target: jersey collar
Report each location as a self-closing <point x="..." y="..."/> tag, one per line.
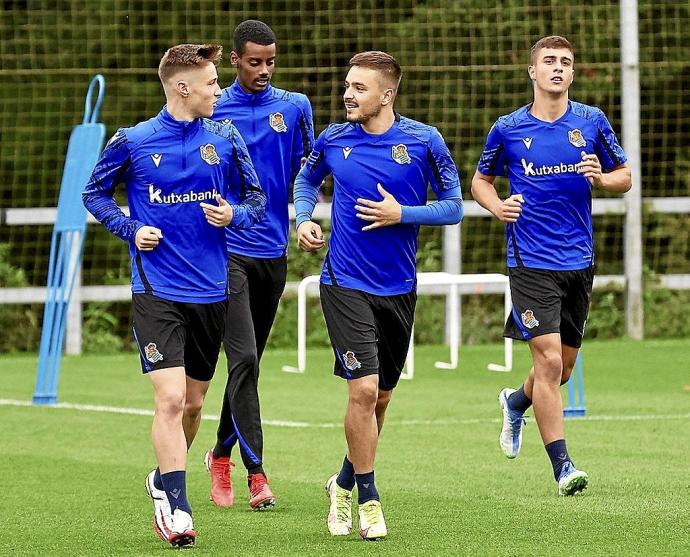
<point x="236" y="91"/>
<point x="177" y="126"/>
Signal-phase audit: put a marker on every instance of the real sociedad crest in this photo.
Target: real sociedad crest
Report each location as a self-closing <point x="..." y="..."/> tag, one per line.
<point x="576" y="138"/>
<point x="400" y="154"/>
<point x="277" y="122"/>
<point x="152" y="353"/>
<point x="208" y="153"/>
<point x="528" y="319"/>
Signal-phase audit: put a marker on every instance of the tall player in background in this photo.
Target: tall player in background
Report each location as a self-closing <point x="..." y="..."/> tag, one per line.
<point x="382" y="165"/>
<point x="554" y="151"/>
<point x="277" y="127"/>
<point x="186" y="179"/>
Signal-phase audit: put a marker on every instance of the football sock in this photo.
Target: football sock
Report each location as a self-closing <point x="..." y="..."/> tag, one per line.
<point x="346" y="476"/>
<point x="224" y="448"/>
<point x="519" y="401"/>
<point x="255" y="470"/>
<point x="157" y="482"/>
<point x="176" y="489"/>
<point x="366" y="490"/>
<point x="558" y="453"/>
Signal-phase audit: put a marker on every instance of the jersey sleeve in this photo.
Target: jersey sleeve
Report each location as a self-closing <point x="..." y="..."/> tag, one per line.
<point x="110" y="170"/>
<point x="444" y="173"/>
<point x="303" y="141"/>
<point x="252" y="204"/>
<point x="493" y="159"/>
<point x="309" y="180"/>
<point x="607" y="148"/>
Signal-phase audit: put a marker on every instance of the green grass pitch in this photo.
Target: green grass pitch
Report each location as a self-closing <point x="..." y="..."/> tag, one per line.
<point x="73" y="480"/>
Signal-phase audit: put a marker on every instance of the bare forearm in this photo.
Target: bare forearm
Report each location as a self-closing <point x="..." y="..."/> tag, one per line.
<point x="618" y="180"/>
<point x="484" y="193"/>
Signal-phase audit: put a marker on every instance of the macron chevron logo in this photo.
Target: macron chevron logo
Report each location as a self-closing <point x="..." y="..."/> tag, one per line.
<point x="527" y="141"/>
<point x="156" y="157"/>
<point x="347" y="151"/>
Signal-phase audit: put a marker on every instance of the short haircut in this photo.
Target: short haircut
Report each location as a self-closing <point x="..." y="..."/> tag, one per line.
<point x="383" y="63"/>
<point x="552" y="41"/>
<point x="252" y="31"/>
<point x="183" y="56"/>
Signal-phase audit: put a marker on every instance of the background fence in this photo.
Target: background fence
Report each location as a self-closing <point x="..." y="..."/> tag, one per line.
<point x="464" y="65"/>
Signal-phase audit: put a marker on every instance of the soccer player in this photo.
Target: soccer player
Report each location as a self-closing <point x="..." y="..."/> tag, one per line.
<point x="278" y="130"/>
<point x="186" y="179"/>
<point x="554" y="151"/>
<point x="382" y="165"/>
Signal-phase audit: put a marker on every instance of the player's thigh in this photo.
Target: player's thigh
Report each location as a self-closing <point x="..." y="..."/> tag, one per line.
<point x="536" y="297"/>
<point x="266" y="286"/>
<point x="352" y="330"/>
<point x="575" y="306"/>
<point x="239" y="326"/>
<point x="159" y="331"/>
<point x="204" y="326"/>
<point x="394" y="319"/>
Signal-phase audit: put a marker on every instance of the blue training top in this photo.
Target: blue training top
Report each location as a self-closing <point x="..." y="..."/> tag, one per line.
<point x="169" y="167"/>
<point x="278" y="128"/>
<point x="554" y="230"/>
<point x="404" y="160"/>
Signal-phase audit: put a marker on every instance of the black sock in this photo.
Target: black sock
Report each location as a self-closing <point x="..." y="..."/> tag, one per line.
<point x="256" y="470"/>
<point x="519" y="401"/>
<point x="366" y="490"/>
<point x="558" y="453"/>
<point x="176" y="489"/>
<point x="224" y="448"/>
<point x="346" y="476"/>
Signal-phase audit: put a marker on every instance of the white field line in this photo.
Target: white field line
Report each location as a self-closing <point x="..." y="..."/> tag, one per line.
<point x="286" y="423"/>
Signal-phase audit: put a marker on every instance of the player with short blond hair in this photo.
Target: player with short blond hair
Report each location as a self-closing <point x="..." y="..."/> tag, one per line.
<point x="186" y="179"/>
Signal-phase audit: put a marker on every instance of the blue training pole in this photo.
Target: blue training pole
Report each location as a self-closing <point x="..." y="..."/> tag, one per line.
<point x="576" y="406"/>
<point x="67" y="243"/>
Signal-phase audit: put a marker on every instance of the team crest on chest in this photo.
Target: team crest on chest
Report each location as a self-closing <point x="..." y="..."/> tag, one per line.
<point x="576" y="138"/>
<point x="152" y="353"/>
<point x="400" y="154"/>
<point x="277" y="122"/>
<point x="208" y="153"/>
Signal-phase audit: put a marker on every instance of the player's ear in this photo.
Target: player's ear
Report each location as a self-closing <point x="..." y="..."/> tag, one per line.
<point x="531" y="72"/>
<point x="387" y="97"/>
<point x="182" y="87"/>
<point x="234" y="58"/>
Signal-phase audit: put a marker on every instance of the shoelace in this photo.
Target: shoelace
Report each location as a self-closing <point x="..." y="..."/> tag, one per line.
<point x="223" y="471"/>
<point x="372" y="513"/>
<point x="343" y="507"/>
<point x="518" y="422"/>
<point x="257" y="482"/>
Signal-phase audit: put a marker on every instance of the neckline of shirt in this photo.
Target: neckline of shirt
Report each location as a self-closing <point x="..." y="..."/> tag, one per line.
<point x="532" y="117"/>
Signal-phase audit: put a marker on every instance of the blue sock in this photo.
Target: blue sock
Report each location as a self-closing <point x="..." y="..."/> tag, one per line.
<point x="519" y="401"/>
<point x="176" y="489"/>
<point x="157" y="482"/>
<point x="366" y="490"/>
<point x="558" y="454"/>
<point x="346" y="476"/>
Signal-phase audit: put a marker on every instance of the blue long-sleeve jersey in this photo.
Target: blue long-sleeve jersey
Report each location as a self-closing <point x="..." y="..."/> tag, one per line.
<point x="277" y="126"/>
<point x="554" y="231"/>
<point x="169" y="167"/>
<point x="405" y="160"/>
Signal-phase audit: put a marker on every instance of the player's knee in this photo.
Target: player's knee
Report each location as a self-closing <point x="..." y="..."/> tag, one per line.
<point x="192" y="408"/>
<point x="382" y="400"/>
<point x="245" y="359"/>
<point x="170" y="404"/>
<point x="565" y="376"/>
<point x="365" y="395"/>
<point x="550" y="365"/>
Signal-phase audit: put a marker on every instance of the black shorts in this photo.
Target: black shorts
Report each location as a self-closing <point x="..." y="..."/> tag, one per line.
<point x="370" y="334"/>
<point x="178" y="334"/>
<point x="549" y="302"/>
